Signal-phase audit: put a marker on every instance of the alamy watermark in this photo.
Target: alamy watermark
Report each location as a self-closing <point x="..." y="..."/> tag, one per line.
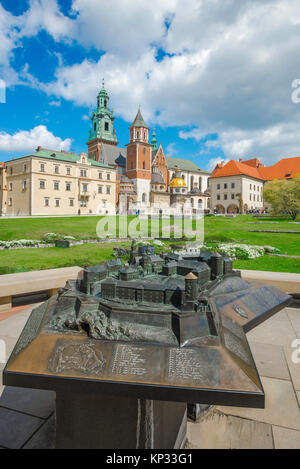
<point x="2" y="91"/>
<point x="167" y="226"/>
<point x="296" y="353"/>
<point x="2" y="351"/>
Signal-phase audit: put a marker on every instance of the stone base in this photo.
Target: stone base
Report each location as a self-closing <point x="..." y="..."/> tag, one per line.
<point x="92" y="421"/>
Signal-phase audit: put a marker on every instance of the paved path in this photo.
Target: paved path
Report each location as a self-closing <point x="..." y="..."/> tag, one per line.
<point x="27" y="416"/>
<point x="276" y="426"/>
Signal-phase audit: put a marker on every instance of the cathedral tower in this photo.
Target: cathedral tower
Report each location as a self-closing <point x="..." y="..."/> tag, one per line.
<point x="138" y="161"/>
<point x="102" y="130"/>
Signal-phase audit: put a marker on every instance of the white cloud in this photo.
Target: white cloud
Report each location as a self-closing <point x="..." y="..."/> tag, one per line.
<point x="229" y="69"/>
<point x="25" y="140"/>
<point x="55" y="103"/>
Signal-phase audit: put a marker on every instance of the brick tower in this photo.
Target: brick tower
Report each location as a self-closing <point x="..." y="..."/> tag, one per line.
<point x="138" y="161"/>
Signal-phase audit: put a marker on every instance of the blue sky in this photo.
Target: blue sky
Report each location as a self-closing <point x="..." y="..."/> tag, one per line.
<point x="213" y="78"/>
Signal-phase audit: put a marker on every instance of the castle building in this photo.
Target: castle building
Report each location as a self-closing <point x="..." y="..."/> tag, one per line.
<point x="237" y="186"/>
<point x="143" y="172"/>
<point x="56" y="183"/>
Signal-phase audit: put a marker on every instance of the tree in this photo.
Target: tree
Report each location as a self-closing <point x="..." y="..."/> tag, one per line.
<point x="284" y="196"/>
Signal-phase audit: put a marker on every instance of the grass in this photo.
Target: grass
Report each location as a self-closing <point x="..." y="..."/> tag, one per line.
<point x="220" y="229"/>
<point x="25" y="260"/>
<point x="270" y="263"/>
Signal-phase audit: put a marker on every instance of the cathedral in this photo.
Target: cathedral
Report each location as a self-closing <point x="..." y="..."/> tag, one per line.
<point x="148" y="182"/>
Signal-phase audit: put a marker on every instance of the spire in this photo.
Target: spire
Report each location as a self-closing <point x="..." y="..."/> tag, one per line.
<point x="139" y="120"/>
<point x="154" y="141"/>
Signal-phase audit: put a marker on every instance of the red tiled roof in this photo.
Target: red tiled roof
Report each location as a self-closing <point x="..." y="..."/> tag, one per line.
<point x="253" y="162"/>
<point x="2" y="164"/>
<point x="235" y="168"/>
<point x="284" y="169"/>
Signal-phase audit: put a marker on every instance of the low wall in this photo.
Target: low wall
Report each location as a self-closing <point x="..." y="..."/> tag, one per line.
<point x="289" y="283"/>
<point x="49" y="280"/>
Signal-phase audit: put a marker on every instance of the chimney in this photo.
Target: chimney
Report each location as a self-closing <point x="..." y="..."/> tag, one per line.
<point x="240" y="160"/>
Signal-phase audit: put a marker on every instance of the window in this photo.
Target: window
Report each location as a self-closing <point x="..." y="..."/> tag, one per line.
<point x="232" y="185"/>
<point x="105" y="103"/>
<point x="144" y="197"/>
<point x="254" y="188"/>
<point x="46" y="202"/>
<point x="144" y="151"/>
<point x="144" y="165"/>
<point x="71" y="202"/>
<point x="68" y="171"/>
<point x="108" y="176"/>
<point x="232" y="196"/>
<point x="100" y="175"/>
<point x="108" y="190"/>
<point x="99" y="189"/>
<point x="42" y="184"/>
<point x="218" y="197"/>
<point x="10" y="170"/>
<point x="56" y="169"/>
<point x="68" y="186"/>
<point x="10" y="186"/>
<point x="95" y="126"/>
<point x="56" y="186"/>
<point x="218" y="186"/>
<point x="225" y="196"/>
<point x="84" y="187"/>
<point x="24" y="185"/>
<point x="250" y="197"/>
<point x="253" y="197"/>
<point x="83" y="203"/>
<point x="25" y="168"/>
<point x="138" y="134"/>
<point x="144" y="135"/>
<point x="250" y="188"/>
<point x="42" y="167"/>
<point x="106" y="126"/>
<point x="83" y="173"/>
<point x="56" y="202"/>
<point x="225" y="186"/>
<point x="10" y="201"/>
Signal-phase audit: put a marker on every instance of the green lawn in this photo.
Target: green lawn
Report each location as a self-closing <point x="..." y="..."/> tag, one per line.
<point x="24" y="260"/>
<point x="215" y="228"/>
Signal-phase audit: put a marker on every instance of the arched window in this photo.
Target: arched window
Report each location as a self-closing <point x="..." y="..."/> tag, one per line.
<point x="105" y="103"/>
<point x="200" y="203"/>
<point x="144" y="165"/>
<point x="137" y="134"/>
<point x="200" y="183"/>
